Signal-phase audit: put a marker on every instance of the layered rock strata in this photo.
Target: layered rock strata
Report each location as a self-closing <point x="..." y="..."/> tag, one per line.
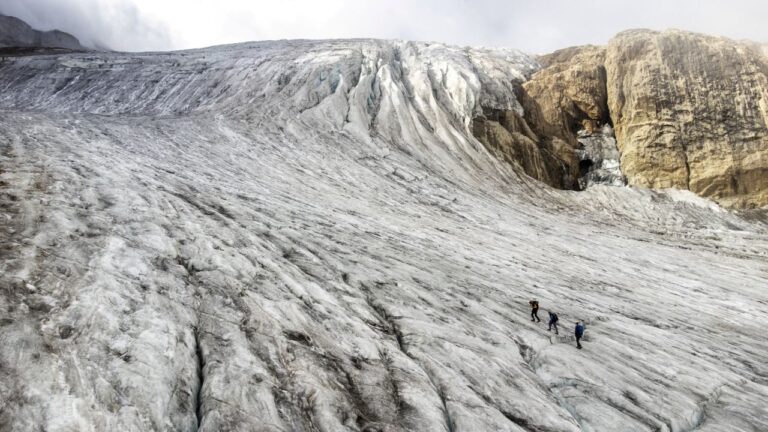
<point x="689" y="112"/>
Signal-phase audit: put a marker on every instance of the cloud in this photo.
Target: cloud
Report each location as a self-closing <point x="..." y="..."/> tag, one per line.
<point x="114" y="24"/>
<point x="535" y="26"/>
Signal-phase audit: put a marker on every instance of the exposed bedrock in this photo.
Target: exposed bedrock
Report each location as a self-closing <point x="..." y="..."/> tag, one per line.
<point x="689" y="112"/>
<point x="567" y="96"/>
<point x="508" y="136"/>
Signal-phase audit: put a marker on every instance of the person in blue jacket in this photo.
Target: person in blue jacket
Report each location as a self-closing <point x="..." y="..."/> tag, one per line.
<point x="553" y="321"/>
<point x="579" y="333"/>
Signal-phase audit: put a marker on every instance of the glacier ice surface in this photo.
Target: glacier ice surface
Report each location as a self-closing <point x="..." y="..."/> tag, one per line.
<point x="304" y="235"/>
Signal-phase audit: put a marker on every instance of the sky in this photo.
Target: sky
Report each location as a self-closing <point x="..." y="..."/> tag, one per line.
<point x="534" y="26"/>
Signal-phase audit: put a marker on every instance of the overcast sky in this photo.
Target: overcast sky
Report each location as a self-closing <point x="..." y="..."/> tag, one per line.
<point x="534" y="26"/>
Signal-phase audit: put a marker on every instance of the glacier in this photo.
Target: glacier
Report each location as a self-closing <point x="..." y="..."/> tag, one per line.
<point x="305" y="236"/>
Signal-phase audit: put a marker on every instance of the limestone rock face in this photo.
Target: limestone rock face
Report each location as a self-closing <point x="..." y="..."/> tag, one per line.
<point x="569" y="94"/>
<point x="566" y="96"/>
<point x="690" y="112"/>
<point x="508" y="136"/>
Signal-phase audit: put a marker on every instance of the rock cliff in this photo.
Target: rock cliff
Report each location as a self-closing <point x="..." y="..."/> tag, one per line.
<point x="569" y="93"/>
<point x="689" y="110"/>
<point x="509" y="136"/>
<point x="565" y="96"/>
<point x="15" y="33"/>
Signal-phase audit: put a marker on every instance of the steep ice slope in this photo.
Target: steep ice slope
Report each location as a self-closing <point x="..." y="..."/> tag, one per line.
<point x="305" y="236"/>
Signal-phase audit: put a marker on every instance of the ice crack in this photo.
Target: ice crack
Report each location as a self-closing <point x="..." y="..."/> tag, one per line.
<point x="200" y="379"/>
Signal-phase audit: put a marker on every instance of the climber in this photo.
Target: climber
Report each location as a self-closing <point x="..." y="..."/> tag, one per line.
<point x="534" y="310"/>
<point x="553" y="322"/>
<point x="579" y="333"/>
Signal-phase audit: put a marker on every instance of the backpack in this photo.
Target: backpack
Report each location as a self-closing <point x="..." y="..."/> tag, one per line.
<point x="553" y="318"/>
<point x="534" y="304"/>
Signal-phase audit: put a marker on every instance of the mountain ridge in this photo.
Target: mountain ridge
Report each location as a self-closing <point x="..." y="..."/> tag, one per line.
<point x="15" y="33"/>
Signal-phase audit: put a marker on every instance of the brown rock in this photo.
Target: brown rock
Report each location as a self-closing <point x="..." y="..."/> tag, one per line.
<point x="508" y="136"/>
<point x="568" y="94"/>
<point x="564" y="97"/>
<point x="690" y="112"/>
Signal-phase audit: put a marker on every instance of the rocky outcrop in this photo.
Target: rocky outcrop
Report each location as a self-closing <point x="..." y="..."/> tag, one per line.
<point x="569" y="94"/>
<point x="566" y="96"/>
<point x="568" y="100"/>
<point x="690" y="112"/>
<point x="508" y="136"/>
<point x="15" y="33"/>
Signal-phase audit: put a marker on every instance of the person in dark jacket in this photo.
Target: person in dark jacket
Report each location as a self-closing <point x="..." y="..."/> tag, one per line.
<point x="534" y="310"/>
<point x="553" y="322"/>
<point x="579" y="333"/>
